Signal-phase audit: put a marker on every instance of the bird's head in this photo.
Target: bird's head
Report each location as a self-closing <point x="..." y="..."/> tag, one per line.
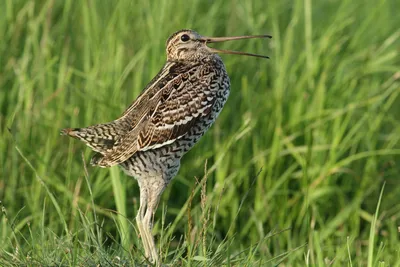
<point x="190" y="46"/>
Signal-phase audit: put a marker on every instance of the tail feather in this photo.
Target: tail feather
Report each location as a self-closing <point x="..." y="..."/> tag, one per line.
<point x="96" y="159"/>
<point x="70" y="131"/>
<point x="100" y="138"/>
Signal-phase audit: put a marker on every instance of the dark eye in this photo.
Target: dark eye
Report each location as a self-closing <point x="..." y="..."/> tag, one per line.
<point x="185" y="38"/>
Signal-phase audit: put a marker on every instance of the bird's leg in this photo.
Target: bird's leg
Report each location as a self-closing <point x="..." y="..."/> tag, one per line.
<point x="140" y="219"/>
<point x="156" y="187"/>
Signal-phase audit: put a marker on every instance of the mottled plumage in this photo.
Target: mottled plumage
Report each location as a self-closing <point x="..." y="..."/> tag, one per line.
<point x="166" y="120"/>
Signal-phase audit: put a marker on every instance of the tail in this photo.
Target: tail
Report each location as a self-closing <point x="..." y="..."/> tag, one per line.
<point x="101" y="137"/>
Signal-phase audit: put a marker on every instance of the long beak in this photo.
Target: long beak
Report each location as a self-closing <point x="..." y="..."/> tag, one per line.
<point x="223" y="39"/>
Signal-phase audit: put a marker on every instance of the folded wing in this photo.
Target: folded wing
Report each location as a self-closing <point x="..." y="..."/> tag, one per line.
<point x="177" y="98"/>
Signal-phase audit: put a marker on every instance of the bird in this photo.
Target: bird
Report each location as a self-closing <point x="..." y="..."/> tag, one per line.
<point x="165" y="121"/>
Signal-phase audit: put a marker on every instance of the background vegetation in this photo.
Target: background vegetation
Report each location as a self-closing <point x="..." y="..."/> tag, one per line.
<point x="297" y="162"/>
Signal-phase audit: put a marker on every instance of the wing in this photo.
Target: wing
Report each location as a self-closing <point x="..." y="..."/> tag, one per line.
<point x="180" y="97"/>
<point x="103" y="137"/>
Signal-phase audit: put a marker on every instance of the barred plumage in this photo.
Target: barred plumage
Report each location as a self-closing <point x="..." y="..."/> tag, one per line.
<point x="166" y="120"/>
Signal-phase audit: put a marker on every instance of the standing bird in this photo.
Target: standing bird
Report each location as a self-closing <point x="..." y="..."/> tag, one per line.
<point x="167" y="119"/>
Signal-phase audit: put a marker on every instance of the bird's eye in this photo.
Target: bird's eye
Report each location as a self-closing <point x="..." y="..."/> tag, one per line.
<point x="185" y="38"/>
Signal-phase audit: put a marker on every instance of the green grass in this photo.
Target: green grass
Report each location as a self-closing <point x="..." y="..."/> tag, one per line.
<point x="296" y="162"/>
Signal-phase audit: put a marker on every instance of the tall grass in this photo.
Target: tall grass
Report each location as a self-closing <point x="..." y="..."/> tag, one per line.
<point x="296" y="161"/>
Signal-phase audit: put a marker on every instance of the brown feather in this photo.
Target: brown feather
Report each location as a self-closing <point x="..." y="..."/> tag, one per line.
<point x="170" y="112"/>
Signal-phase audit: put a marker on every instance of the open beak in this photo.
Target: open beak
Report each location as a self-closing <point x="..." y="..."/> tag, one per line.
<point x="223" y="39"/>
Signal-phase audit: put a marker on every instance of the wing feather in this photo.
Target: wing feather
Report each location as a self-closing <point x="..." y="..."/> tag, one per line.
<point x="170" y="112"/>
